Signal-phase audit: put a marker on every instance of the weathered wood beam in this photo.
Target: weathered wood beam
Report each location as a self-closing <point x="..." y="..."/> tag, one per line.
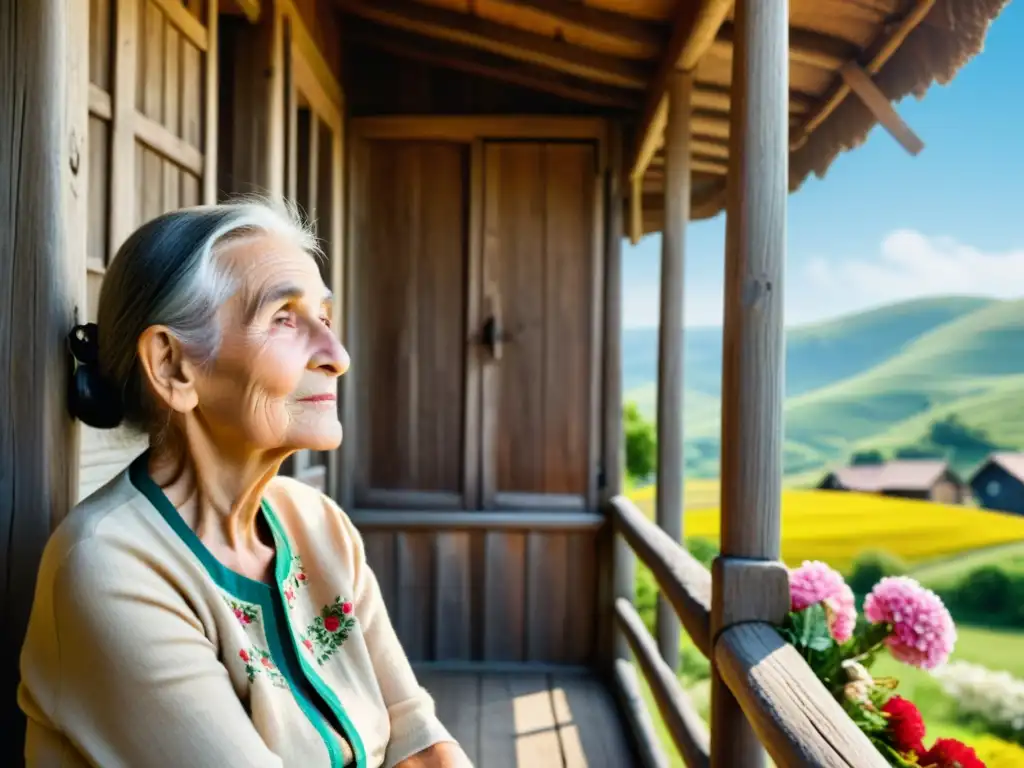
<point x="880" y="106"/>
<point x="678" y="713"/>
<point x="876" y="58"/>
<point x="753" y="344"/>
<point x="490" y="36"/>
<point x="670" y="466"/>
<point x="44" y="88"/>
<point x="616" y="26"/>
<point x="489" y="65"/>
<point x="634" y="707"/>
<point x="684" y="582"/>
<point x="693" y="32"/>
<point x="251" y="9"/>
<point x="791" y="712"/>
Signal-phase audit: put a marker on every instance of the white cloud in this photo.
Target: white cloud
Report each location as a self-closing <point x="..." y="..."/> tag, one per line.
<point x="909" y="265"/>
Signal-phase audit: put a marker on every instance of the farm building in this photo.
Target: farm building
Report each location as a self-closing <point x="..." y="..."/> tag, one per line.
<point x="999" y="482"/>
<point x="928" y="479"/>
<point x="480" y="161"/>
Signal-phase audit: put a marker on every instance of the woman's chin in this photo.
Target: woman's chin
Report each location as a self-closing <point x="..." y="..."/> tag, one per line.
<point x="326" y="437"/>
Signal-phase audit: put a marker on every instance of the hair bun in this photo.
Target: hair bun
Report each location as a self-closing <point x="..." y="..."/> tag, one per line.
<point x="91" y="399"/>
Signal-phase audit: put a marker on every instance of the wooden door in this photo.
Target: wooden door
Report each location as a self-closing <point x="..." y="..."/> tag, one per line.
<point x="538" y="443"/>
<point x="473" y="341"/>
<point x="408" y="339"/>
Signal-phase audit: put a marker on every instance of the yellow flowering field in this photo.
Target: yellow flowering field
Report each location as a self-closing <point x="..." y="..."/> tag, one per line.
<point x="837" y="526"/>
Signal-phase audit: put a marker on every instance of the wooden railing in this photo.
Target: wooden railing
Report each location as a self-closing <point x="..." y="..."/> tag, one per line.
<point x="793" y="715"/>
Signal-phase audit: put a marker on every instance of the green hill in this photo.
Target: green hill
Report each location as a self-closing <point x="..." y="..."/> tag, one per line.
<point x="880" y="378"/>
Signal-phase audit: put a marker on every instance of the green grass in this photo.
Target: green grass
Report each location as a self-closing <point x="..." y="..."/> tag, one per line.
<point x="946" y="573"/>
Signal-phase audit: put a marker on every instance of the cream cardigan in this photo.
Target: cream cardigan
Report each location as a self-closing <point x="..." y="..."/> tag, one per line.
<point x="144" y="651"/>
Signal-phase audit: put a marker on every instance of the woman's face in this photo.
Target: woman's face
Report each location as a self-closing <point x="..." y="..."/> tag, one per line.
<point x="274" y="382"/>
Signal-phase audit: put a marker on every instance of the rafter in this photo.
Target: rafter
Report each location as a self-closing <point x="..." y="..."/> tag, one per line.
<point x="483" y="34"/>
<point x="693" y="32"/>
<point x="805" y="47"/>
<point x="485" y="64"/>
<point x="880" y="106"/>
<point x="616" y="26"/>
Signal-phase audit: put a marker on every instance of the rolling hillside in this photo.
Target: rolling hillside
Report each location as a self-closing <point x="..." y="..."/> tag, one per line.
<point x="874" y="380"/>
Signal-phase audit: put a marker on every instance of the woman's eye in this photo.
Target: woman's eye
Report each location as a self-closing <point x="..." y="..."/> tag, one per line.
<point x="285" y="319"/>
<point x="326" y="321"/>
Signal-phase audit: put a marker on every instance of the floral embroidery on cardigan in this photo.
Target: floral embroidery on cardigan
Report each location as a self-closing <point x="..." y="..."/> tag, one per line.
<point x="257" y="662"/>
<point x="328" y="631"/>
<point x="297" y="579"/>
<point x="246" y="613"/>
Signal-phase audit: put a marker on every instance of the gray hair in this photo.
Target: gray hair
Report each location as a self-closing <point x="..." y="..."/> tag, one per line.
<point x="168" y="272"/>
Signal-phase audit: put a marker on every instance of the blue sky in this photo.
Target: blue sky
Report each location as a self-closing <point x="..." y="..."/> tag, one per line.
<point x="882" y="225"/>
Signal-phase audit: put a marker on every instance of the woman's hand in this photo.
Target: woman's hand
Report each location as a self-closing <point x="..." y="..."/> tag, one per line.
<point x="445" y="754"/>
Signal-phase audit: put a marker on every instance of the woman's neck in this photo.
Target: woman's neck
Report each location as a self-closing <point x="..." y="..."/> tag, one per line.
<point x="217" y="492"/>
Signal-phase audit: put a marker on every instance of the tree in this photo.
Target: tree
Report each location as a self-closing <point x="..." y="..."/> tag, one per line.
<point x="866" y="457"/>
<point x="641" y="443"/>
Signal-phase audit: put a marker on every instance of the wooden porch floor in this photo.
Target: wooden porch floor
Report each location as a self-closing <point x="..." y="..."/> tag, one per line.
<point x="513" y="720"/>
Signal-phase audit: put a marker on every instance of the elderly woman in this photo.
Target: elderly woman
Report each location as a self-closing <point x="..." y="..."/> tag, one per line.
<point x="199" y="610"/>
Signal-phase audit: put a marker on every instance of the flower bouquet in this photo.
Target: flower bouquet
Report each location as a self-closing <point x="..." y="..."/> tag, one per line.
<point x="901" y="617"/>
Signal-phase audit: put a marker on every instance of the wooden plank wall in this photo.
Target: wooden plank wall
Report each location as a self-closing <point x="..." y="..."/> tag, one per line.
<point x="444" y="230"/>
<point x="492" y="596"/>
<point x="152" y="113"/>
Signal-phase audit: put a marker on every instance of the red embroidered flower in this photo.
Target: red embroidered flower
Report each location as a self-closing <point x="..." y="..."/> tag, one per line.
<point x="289" y="595"/>
<point x="267" y="662"/>
<point x="950" y="753"/>
<point x="346" y="608"/>
<point x="332" y="623"/>
<point x="300" y="576"/>
<point x="308" y="644"/>
<point x="906" y="727"/>
<point x="240" y="615"/>
<point x="244" y="655"/>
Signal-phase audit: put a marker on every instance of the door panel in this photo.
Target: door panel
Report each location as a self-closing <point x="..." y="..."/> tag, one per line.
<point x="538" y="282"/>
<point x="408" y="350"/>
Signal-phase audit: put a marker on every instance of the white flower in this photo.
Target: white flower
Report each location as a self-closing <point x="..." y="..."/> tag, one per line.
<point x="995" y="697"/>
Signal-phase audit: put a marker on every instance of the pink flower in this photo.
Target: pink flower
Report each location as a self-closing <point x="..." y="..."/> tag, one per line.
<point x="923" y="631"/>
<point x="815" y="582"/>
<point x="346" y="608"/>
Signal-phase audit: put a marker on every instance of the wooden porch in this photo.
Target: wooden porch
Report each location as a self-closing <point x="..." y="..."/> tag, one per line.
<point x="562" y="719"/>
<point x="473" y="169"/>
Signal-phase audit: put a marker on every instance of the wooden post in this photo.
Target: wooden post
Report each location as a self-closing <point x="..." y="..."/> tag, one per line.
<point x="623" y="561"/>
<point x="669" y="493"/>
<point x="747" y="584"/>
<point x="43" y="186"/>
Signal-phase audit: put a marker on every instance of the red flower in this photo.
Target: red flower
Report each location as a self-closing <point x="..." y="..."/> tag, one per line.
<point x="240" y="615"/>
<point x="906" y="726"/>
<point x="309" y="645"/>
<point x="289" y="595"/>
<point x="266" y="662"/>
<point x="950" y="753"/>
<point x="346" y="608"/>
<point x="244" y="655"/>
<point x="300" y="576"/>
<point x="332" y="623"/>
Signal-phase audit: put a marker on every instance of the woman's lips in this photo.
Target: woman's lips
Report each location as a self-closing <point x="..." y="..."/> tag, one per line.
<point x="318" y="399"/>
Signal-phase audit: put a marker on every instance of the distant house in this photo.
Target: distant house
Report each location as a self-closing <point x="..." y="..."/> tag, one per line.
<point x="929" y="479"/>
<point x="999" y="482"/>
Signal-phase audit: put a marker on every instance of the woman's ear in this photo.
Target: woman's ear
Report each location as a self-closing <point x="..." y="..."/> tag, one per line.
<point x="170" y="375"/>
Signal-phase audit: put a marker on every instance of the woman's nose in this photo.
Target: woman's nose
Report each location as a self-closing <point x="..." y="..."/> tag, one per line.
<point x="330" y="356"/>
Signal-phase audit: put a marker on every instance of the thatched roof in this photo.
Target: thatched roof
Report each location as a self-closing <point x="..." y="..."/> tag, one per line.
<point x="613" y="56"/>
